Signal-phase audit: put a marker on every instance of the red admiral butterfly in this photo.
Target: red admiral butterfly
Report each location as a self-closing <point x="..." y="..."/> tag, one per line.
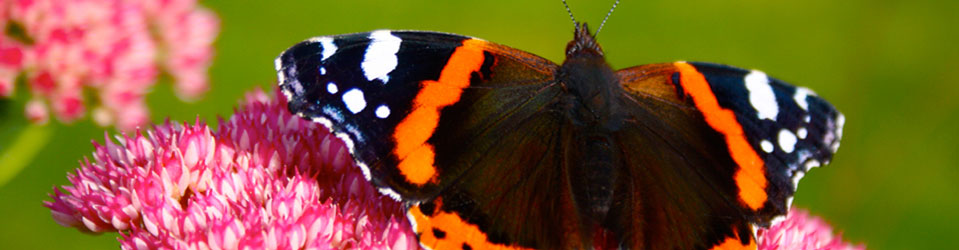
<point x="493" y="147"/>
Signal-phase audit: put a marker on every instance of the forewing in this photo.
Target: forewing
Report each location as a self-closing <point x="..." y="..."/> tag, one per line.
<point x="382" y="92"/>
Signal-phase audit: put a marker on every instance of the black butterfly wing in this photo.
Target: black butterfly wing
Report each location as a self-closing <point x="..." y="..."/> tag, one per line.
<point x="700" y="168"/>
<point x="468" y="139"/>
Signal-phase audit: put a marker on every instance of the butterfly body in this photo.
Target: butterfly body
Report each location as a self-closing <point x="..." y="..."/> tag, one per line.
<point x="492" y="147"/>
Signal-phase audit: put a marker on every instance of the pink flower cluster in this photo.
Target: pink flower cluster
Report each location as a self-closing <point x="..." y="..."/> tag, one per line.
<point x="263" y="180"/>
<point x="801" y="231"/>
<point x="115" y="47"/>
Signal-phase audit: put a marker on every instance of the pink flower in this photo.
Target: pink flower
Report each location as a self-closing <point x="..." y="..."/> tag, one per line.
<point x="11" y="59"/>
<point x="36" y="112"/>
<point x="262" y="179"/>
<point x="115" y="47"/>
<point x="801" y="231"/>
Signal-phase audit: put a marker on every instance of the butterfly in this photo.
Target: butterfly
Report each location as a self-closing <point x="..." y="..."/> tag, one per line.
<point x="491" y="147"/>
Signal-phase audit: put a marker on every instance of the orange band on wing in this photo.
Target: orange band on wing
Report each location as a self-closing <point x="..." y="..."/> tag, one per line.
<point x="750" y="177"/>
<point x="733" y="243"/>
<point x="454" y="231"/>
<point x="415" y="155"/>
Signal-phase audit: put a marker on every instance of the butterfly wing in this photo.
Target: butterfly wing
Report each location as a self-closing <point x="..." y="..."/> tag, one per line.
<point x="459" y="128"/>
<point x="681" y="191"/>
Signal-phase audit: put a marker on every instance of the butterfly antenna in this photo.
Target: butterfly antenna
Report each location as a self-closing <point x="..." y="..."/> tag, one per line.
<point x="571" y="13"/>
<point x="604" y="19"/>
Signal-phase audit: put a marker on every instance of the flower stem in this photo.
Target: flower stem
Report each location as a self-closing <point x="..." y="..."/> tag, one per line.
<point x="21" y="151"/>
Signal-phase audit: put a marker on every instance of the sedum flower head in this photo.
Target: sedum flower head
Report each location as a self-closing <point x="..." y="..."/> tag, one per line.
<point x="262" y="179"/>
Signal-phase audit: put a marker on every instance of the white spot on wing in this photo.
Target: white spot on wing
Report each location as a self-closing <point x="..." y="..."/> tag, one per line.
<point x="796" y="177"/>
<point x="761" y="95"/>
<point x="380" y="58"/>
<point x="331" y="87"/>
<point x="840" y="122"/>
<point x="767" y="146"/>
<point x="333" y="113"/>
<point x="322" y="70"/>
<point x="278" y="65"/>
<point x="811" y="164"/>
<point x="289" y="96"/>
<point x="801" y="133"/>
<point x="382" y="111"/>
<point x="411" y="219"/>
<point x="365" y="170"/>
<point x="800" y="97"/>
<point x="390" y="193"/>
<point x="322" y="121"/>
<point x="354" y="100"/>
<point x="328" y="47"/>
<point x="350" y="145"/>
<point x="787" y="141"/>
<point x="779" y="219"/>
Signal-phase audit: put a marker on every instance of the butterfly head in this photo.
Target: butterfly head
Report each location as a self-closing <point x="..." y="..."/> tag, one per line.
<point x="591" y="82"/>
<point x="583" y="43"/>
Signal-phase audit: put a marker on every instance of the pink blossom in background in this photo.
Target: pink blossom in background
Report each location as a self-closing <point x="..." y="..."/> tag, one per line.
<point x="266" y="179"/>
<point x="262" y="179"/>
<point x="117" y="48"/>
<point x="37" y="112"/>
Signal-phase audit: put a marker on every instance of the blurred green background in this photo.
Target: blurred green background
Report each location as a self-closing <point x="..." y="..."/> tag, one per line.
<point x="890" y="66"/>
